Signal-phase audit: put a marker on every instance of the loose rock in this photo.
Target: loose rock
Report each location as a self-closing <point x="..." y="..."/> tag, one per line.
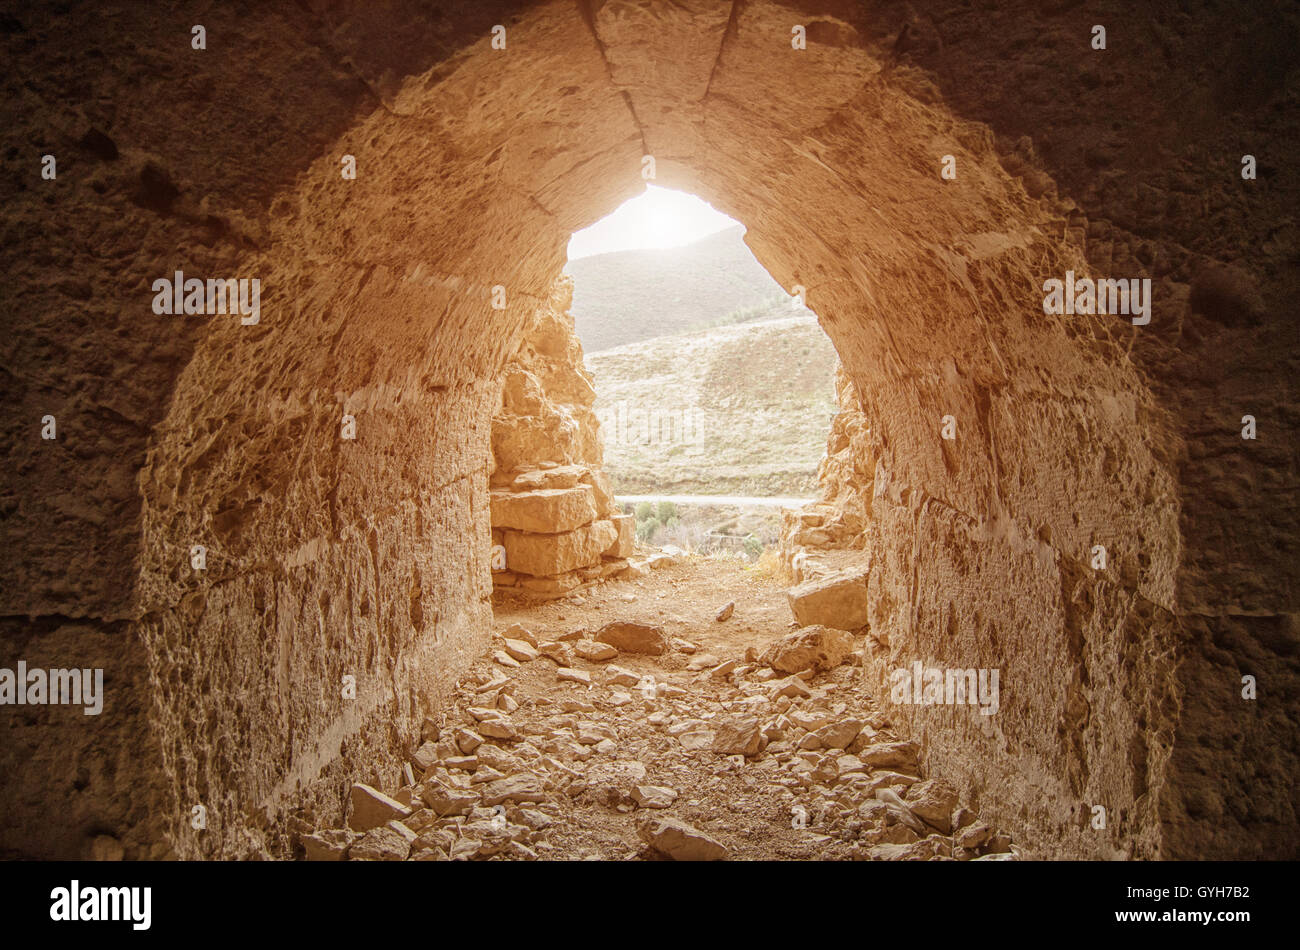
<point x="390" y="842"/>
<point x="837" y="600"/>
<point x="331" y="845"/>
<point x="635" y="638"/>
<point x="742" y="736"/>
<point x="679" y="841"/>
<point x="517" y="788"/>
<point x="654" y="796"/>
<point x="372" y="808"/>
<point x="816" y="648"/>
<point x="521" y="651"/>
<point x="594" y="652"/>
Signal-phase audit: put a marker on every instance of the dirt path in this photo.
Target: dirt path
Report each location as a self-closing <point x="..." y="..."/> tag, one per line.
<point x="548" y="755"/>
<point x="716" y="501"/>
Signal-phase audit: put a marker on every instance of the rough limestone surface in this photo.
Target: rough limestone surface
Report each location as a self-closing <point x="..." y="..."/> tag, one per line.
<point x="547" y="419"/>
<point x="546" y="510"/>
<point x="836" y="600"/>
<point x="552" y="554"/>
<point x="370" y="556"/>
<point x="846" y="475"/>
<point x="630" y="637"/>
<point x="547" y="478"/>
<point x="811" y="648"/>
<point x="680" y="841"/>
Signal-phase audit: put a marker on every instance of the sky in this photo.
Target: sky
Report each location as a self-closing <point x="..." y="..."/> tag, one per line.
<point x="659" y="217"/>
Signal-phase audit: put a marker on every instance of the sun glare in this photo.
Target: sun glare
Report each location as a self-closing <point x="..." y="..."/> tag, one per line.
<point x="659" y="217"/>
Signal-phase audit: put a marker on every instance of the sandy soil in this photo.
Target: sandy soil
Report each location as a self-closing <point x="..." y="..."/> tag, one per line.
<point x="744" y="807"/>
<point x="591" y="750"/>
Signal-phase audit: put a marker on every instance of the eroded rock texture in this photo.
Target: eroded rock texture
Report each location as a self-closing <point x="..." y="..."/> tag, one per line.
<point x="368" y="557"/>
<point x="555" y="526"/>
<point x="846" y="477"/>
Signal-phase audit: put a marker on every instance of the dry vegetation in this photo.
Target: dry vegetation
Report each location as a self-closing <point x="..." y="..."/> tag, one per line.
<point x="764" y="394"/>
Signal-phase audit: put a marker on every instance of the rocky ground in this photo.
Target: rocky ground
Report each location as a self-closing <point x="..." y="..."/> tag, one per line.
<point x="681" y="715"/>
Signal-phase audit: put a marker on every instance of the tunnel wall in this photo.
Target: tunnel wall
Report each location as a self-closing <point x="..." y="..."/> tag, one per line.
<point x="366" y="557"/>
<point x="222" y="687"/>
<point x="1140" y="149"/>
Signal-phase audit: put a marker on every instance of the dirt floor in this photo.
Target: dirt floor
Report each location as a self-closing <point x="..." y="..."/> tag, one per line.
<point x="530" y="764"/>
<point x="744" y="807"/>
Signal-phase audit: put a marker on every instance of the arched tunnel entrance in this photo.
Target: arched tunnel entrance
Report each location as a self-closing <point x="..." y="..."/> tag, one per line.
<point x="332" y="459"/>
<point x="669" y="391"/>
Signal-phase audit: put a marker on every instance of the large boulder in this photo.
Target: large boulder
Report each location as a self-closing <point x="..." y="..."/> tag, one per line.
<point x="544" y="511"/>
<point x="543" y="555"/>
<point x="812" y="648"/>
<point x="625" y="545"/>
<point x="371" y="808"/>
<point x="679" y="841"/>
<point x="635" y="638"/>
<point x="837" y="600"/>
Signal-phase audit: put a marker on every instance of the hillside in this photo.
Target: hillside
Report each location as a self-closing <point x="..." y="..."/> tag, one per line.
<point x="741" y="409"/>
<point x="630" y="296"/>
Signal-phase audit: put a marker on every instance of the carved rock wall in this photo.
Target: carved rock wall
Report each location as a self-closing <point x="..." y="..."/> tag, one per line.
<point x="368" y="557"/>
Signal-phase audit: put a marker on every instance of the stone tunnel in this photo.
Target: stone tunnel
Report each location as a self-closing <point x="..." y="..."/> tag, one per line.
<point x="482" y="134"/>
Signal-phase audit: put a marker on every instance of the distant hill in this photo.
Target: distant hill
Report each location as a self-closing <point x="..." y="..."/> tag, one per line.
<point x="629" y="296"/>
<point x="733" y="410"/>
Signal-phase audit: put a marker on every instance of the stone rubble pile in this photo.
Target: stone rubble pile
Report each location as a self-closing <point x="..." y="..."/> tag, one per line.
<point x="559" y="529"/>
<point x="551" y="742"/>
<point x="847" y="476"/>
<point x="555" y="524"/>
